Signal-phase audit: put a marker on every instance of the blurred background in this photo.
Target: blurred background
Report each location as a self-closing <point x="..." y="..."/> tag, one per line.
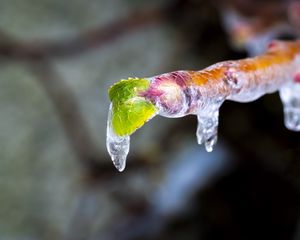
<point x="57" y="60"/>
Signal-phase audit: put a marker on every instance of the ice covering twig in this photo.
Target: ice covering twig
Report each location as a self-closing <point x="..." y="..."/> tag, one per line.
<point x="201" y="93"/>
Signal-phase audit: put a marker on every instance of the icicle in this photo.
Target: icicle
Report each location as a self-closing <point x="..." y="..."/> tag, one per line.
<point x="118" y="147"/>
<point x="207" y="129"/>
<point x="290" y="96"/>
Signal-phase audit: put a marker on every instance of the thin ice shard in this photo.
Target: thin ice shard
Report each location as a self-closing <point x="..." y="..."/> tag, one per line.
<point x="118" y="147"/>
<point x="207" y="129"/>
<point x="290" y="96"/>
<point x="206" y="135"/>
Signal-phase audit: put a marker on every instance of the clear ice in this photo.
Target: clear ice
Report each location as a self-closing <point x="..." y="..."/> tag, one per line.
<point x="207" y="111"/>
<point x="195" y="100"/>
<point x="207" y="129"/>
<point x="290" y="96"/>
<point x="118" y="147"/>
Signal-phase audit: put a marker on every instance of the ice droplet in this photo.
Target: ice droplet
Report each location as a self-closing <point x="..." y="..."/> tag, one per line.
<point x="207" y="129"/>
<point x="290" y="96"/>
<point x="117" y="147"/>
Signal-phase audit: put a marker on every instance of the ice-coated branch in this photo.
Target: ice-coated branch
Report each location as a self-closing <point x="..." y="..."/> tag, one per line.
<point x="180" y="93"/>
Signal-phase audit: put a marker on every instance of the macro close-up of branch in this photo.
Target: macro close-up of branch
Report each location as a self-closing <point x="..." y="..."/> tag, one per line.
<point x="78" y="79"/>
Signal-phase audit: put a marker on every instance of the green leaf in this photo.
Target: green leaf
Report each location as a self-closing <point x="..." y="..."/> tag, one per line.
<point x="130" y="111"/>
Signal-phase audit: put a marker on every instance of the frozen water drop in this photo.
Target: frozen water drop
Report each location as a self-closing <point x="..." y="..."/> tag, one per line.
<point x="207" y="129"/>
<point x="292" y="119"/>
<point x="211" y="142"/>
<point x="290" y="96"/>
<point x="118" y="147"/>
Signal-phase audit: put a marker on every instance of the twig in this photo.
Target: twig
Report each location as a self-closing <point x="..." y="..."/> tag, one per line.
<point x="201" y="93"/>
